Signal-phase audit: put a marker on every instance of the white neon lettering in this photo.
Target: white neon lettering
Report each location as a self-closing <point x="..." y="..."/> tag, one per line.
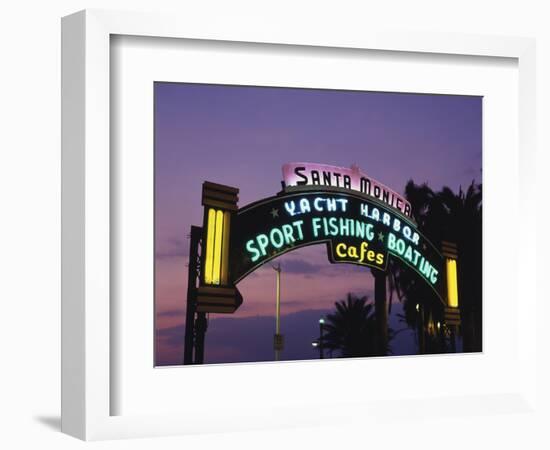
<point x="290" y="208"/>
<point x="317" y="204"/>
<point x="331" y="204"/>
<point x="304" y="205"/>
<point x="343" y="203"/>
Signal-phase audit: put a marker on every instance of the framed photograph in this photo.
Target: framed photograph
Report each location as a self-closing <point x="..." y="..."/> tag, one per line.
<point x="252" y="216"/>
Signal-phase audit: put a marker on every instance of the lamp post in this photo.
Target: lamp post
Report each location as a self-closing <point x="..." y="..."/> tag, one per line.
<point x="315" y="343"/>
<point x="321" y="323"/>
<point x="278" y="338"/>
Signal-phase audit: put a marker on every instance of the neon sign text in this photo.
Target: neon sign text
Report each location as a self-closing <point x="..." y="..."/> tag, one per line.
<point x="298" y="175"/>
<point x="354" y="229"/>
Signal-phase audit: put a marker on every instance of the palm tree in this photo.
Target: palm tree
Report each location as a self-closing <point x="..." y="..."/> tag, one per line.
<point x="351" y="329"/>
<point x="464" y="226"/>
<point x="454" y="217"/>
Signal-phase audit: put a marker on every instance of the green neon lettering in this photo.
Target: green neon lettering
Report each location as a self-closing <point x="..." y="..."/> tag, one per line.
<point x="370" y="231"/>
<point x="433" y="276"/>
<point x="400" y="246"/>
<point x="263" y="240"/>
<point x="360" y="229"/>
<point x="408" y="253"/>
<point x="289" y="235"/>
<point x="351" y="224"/>
<point x="325" y="226"/>
<point x="298" y="225"/>
<point x="391" y="241"/>
<point x="416" y="256"/>
<point x="333" y="226"/>
<point x="426" y="267"/>
<point x="421" y="265"/>
<point x="255" y="253"/>
<point x="344" y="227"/>
<point x="276" y="237"/>
<point x="315" y="226"/>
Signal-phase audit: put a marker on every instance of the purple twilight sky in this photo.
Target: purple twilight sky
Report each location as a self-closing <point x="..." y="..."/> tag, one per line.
<point x="241" y="136"/>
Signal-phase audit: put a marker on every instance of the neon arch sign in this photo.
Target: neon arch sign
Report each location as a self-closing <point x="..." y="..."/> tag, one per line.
<point x="358" y="219"/>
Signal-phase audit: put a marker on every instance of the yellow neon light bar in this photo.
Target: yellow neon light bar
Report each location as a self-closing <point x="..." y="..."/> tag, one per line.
<point x="216" y="270"/>
<point x="452" y="283"/>
<point x="209" y="246"/>
<point x="225" y="248"/>
<point x="216" y="267"/>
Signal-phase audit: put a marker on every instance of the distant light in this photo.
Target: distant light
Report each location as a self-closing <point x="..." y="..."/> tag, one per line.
<point x="417" y="307"/>
<point x="321" y="321"/>
<point x="438" y="325"/>
<point x="315" y="344"/>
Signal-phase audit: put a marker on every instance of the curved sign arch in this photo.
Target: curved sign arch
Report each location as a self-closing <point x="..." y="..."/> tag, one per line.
<point x="356" y="229"/>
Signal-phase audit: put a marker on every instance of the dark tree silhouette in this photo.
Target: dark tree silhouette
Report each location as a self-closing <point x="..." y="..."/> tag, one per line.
<point x="351" y="329"/>
<point x="453" y="217"/>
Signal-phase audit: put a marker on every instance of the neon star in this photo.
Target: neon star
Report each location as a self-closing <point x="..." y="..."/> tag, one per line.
<point x="381" y="237"/>
<point x="274" y="212"/>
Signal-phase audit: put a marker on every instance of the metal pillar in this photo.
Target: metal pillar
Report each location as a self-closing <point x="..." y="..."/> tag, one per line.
<point x="380" y="312"/>
<point x="278" y="340"/>
<point x="201" y="325"/>
<point x="453" y="338"/>
<point x="192" y="278"/>
<point x="321" y="347"/>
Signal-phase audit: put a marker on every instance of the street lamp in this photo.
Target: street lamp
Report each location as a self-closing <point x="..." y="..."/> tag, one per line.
<point x="321" y="324"/>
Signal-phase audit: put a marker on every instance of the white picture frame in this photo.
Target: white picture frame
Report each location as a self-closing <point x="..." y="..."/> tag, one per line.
<point x="87" y="354"/>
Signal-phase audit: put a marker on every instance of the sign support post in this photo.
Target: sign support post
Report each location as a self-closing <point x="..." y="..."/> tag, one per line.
<point x="192" y="277"/>
<point x="380" y="311"/>
<point x="278" y="338"/>
<point x="201" y="325"/>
